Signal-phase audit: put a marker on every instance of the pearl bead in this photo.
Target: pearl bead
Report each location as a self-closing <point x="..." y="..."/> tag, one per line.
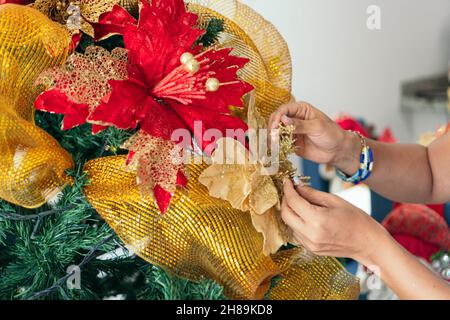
<point x="436" y="265"/>
<point x="445" y="260"/>
<point x="185" y="57"/>
<point x="192" y="66"/>
<point x="212" y="85"/>
<point x="446" y="274"/>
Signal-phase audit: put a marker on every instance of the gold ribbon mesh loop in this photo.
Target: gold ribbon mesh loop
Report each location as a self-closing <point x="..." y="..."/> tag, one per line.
<point x="32" y="164"/>
<point x="253" y="37"/>
<point x="306" y="276"/>
<point x="198" y="237"/>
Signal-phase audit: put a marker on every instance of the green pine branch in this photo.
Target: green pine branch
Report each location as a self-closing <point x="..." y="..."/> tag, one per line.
<point x="212" y="32"/>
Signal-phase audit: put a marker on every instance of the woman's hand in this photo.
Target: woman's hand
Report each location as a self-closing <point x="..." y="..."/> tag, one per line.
<point x="318" y="138"/>
<point x="328" y="225"/>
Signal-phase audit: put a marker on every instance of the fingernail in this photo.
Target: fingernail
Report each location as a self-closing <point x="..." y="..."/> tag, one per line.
<point x="298" y="182"/>
<point x="274" y="126"/>
<point x="286" y="120"/>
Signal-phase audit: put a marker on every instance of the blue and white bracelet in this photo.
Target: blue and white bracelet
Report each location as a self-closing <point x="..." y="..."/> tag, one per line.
<point x="366" y="161"/>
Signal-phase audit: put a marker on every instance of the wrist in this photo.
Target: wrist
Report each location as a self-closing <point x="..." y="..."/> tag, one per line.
<point x="347" y="158"/>
<point x="376" y="241"/>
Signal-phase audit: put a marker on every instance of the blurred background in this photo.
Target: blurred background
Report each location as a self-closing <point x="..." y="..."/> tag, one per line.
<point x="342" y="66"/>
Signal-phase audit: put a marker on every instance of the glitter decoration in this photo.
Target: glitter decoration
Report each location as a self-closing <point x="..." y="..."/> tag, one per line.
<point x="156" y="162"/>
<point x="84" y="78"/>
<point x="90" y="11"/>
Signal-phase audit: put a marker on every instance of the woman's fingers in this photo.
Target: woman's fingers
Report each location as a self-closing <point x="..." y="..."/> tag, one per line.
<point x="304" y="126"/>
<point x="314" y="196"/>
<point x="290" y="217"/>
<point x="298" y="204"/>
<point x="290" y="110"/>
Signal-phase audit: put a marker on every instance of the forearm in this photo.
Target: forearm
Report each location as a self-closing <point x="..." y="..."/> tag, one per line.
<point x="402" y="272"/>
<point x="401" y="172"/>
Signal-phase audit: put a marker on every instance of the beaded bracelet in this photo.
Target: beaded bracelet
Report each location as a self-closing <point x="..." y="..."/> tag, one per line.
<point x="366" y="164"/>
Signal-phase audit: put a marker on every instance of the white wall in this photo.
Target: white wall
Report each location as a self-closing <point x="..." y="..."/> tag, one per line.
<point x="340" y="65"/>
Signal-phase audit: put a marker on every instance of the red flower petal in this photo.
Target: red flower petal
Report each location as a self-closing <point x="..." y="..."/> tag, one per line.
<point x="125" y="108"/>
<point x="162" y="198"/>
<point x="97" y="128"/>
<point x="164" y="32"/>
<point x="23" y="2"/>
<point x="225" y="67"/>
<point x="161" y="121"/>
<point x="75" y="42"/>
<point x="112" y="22"/>
<point x="55" y="102"/>
<point x="182" y="180"/>
<point x="208" y="120"/>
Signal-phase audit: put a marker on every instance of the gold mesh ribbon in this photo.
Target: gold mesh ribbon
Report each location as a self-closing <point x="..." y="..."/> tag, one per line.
<point x="201" y="236"/>
<point x="251" y="36"/>
<point x="306" y="276"/>
<point x="32" y="164"/>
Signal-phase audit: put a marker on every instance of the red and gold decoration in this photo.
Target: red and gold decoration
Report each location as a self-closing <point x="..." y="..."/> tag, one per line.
<point x="78" y="15"/>
<point x="161" y="81"/>
<point x="167" y="84"/>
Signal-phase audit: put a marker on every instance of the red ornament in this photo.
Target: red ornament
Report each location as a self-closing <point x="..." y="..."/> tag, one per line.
<point x="421" y="230"/>
<point x="387" y="136"/>
<point x="349" y="123"/>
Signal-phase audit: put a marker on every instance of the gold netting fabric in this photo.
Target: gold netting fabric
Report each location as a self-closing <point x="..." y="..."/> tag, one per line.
<point x="306" y="276"/>
<point x="201" y="236"/>
<point x="32" y="164"/>
<point x="253" y="37"/>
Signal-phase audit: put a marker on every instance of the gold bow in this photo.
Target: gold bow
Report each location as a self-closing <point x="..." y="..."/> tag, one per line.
<point x="240" y="177"/>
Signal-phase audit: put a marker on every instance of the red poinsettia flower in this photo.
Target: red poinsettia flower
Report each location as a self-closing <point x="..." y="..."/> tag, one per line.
<point x="172" y="83"/>
<point x="158" y="84"/>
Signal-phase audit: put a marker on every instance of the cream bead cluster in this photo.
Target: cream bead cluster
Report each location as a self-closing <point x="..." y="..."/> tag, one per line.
<point x="192" y="66"/>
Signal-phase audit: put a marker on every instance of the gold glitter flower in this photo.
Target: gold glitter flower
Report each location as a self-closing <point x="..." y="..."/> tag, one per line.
<point x="76" y="14"/>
